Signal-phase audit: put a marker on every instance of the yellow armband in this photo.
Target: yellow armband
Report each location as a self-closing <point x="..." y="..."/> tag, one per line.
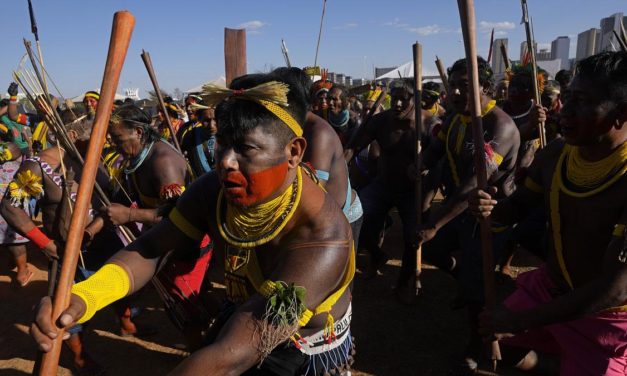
<point x="107" y="285"/>
<point x="184" y="225"/>
<point x="619" y="230"/>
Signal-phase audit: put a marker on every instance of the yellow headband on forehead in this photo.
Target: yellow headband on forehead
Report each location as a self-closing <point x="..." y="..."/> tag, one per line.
<point x="92" y="94"/>
<point x="271" y="95"/>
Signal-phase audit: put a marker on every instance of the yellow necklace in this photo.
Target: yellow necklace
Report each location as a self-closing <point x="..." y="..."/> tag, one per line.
<point x="463" y="121"/>
<point x="611" y="163"/>
<point x="253" y="226"/>
<point x="434" y="109"/>
<point x="592" y="177"/>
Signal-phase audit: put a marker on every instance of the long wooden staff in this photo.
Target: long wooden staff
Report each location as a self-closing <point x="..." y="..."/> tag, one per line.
<point x="33" y="28"/>
<point x="123" y="23"/>
<point x="417" y="52"/>
<point x="440" y="65"/>
<point x="153" y="78"/>
<point x="467" y="16"/>
<point x="491" y="47"/>
<point x="234" y="54"/>
<point x="534" y="67"/>
<point x="505" y="57"/>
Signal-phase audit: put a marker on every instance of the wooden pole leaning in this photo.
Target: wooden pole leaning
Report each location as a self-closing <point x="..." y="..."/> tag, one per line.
<point x="534" y="67"/>
<point x="153" y="78"/>
<point x="417" y="53"/>
<point x="440" y="65"/>
<point x="123" y="23"/>
<point x="467" y="16"/>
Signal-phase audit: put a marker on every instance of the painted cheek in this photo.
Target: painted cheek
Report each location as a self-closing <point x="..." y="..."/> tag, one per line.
<point x="259" y="186"/>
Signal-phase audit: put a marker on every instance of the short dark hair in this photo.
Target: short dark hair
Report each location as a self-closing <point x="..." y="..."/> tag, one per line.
<point x="133" y="117"/>
<point x="608" y="69"/>
<point x="433" y="87"/>
<point x="342" y="88"/>
<point x="237" y="117"/>
<point x="564" y="77"/>
<point x="485" y="72"/>
<point x="406" y="84"/>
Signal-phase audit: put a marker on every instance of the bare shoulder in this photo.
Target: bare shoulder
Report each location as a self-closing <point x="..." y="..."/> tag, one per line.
<point x="166" y="157"/>
<point x="321" y="218"/>
<point x="502" y="121"/>
<point x="319" y="132"/>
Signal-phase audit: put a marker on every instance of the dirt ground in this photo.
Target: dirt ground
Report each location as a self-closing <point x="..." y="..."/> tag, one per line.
<point x="425" y="338"/>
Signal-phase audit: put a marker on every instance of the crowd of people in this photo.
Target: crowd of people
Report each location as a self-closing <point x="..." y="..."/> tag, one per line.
<point x="279" y="183"/>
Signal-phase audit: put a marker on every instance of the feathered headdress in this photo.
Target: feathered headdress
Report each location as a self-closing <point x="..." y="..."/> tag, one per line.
<point x="517" y="70"/>
<point x="271" y="95"/>
<point x="323" y="84"/>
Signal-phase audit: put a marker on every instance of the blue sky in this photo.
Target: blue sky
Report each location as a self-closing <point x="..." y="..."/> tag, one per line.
<point x="185" y="38"/>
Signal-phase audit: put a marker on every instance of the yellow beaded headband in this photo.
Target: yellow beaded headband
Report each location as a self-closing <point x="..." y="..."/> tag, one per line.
<point x="92" y="94"/>
<point x="271" y="95"/>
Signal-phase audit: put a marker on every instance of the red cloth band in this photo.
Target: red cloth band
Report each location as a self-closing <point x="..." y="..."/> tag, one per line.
<point x="39" y="238"/>
<point x="13" y="99"/>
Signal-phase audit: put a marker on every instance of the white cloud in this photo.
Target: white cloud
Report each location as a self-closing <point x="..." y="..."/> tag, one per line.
<point x="500" y="33"/>
<point x="252" y="25"/>
<point x="426" y="30"/>
<point x="350" y="25"/>
<point x="421" y="30"/>
<point x="486" y="27"/>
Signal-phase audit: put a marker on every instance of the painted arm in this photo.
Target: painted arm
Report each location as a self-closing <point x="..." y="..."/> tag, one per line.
<point x="237" y="347"/>
<point x="505" y="139"/>
<point x="364" y="135"/>
<point x="17" y="197"/>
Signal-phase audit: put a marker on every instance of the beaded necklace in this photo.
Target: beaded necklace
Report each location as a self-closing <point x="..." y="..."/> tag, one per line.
<point x="613" y="168"/>
<point x="135" y="162"/>
<point x="254" y="226"/>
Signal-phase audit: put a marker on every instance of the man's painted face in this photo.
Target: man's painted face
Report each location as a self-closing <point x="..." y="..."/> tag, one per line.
<point x="401" y="99"/>
<point x="335" y="101"/>
<point x="321" y="99"/>
<point x="91" y="104"/>
<point x="191" y="114"/>
<point x="208" y="121"/>
<point x="127" y="142"/>
<point x="459" y="96"/>
<point x="587" y="115"/>
<point x="251" y="170"/>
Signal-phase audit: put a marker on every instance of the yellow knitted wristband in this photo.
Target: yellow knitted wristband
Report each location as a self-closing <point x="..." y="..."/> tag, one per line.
<point x="107" y="285"/>
<point x="619" y="230"/>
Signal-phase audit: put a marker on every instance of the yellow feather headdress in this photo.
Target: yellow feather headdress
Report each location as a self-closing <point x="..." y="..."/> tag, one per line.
<point x="24" y="185"/>
<point x="271" y="95"/>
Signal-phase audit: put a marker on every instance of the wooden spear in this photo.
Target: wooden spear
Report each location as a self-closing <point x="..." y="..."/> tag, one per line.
<point x="440" y="65"/>
<point x="467" y="16"/>
<point x="153" y="78"/>
<point x="505" y="57"/>
<point x="534" y="67"/>
<point x="417" y="52"/>
<point x="234" y="53"/>
<point x="123" y="23"/>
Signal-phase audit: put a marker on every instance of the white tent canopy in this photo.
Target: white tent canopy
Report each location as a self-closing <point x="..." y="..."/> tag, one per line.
<point x="406" y="71"/>
<point x="221" y="81"/>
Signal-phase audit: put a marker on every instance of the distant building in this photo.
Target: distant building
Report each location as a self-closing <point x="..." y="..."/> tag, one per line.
<point x="358" y="81"/>
<point x="381" y="71"/>
<point x="560" y="49"/>
<point x="551" y="66"/>
<point x="608" y="25"/>
<point x="587" y="43"/>
<point x="339" y="79"/>
<point x="132" y="93"/>
<point x="348" y="81"/>
<point x="498" y="63"/>
<point x="332" y="76"/>
<point x="543" y="55"/>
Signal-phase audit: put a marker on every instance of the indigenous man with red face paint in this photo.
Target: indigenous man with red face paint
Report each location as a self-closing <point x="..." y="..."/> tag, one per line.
<point x="285" y="243"/>
<point x="574" y="305"/>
